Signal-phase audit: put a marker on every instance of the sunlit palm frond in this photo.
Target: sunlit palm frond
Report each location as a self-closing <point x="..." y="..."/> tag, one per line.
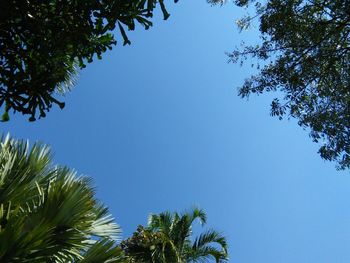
<point x="197" y="213"/>
<point x="47" y="213"/>
<point x="70" y="77"/>
<point x="162" y="222"/>
<point x="103" y="251"/>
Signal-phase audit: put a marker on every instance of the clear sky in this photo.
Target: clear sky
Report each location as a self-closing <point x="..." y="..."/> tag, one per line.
<point x="159" y="126"/>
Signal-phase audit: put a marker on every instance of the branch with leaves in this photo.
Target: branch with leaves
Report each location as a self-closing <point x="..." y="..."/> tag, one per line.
<point x="305" y="54"/>
<point x="44" y="44"/>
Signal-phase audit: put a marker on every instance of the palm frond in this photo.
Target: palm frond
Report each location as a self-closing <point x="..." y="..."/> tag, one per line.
<point x="206" y="254"/>
<point x="103" y="251"/>
<point x="209" y="244"/>
<point x="197" y="213"/>
<point x="162" y="222"/>
<point x="47" y="213"/>
<point x="106" y="227"/>
<point x="70" y="77"/>
<point x="210" y="236"/>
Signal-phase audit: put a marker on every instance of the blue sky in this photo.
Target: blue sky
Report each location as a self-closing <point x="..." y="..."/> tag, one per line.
<point x="159" y="126"/>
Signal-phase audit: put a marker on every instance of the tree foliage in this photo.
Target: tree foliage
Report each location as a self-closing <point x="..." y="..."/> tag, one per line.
<point x="43" y="43"/>
<point x="167" y="239"/>
<point x="305" y="54"/>
<point x="47" y="213"/>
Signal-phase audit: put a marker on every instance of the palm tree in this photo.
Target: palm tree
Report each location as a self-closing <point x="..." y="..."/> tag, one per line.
<point x="167" y="239"/>
<point x="47" y="213"/>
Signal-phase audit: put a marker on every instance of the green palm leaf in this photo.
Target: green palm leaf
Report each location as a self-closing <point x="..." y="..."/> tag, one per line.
<point x="167" y="239"/>
<point x="103" y="251"/>
<point x="48" y="213"/>
<point x="203" y="247"/>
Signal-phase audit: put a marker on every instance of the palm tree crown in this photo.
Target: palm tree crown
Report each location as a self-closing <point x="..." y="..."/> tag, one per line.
<point x="47" y="213"/>
<point x="167" y="239"/>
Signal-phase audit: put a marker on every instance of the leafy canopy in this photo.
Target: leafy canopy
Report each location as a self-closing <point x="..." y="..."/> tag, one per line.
<point x="44" y="43"/>
<point x="305" y="53"/>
